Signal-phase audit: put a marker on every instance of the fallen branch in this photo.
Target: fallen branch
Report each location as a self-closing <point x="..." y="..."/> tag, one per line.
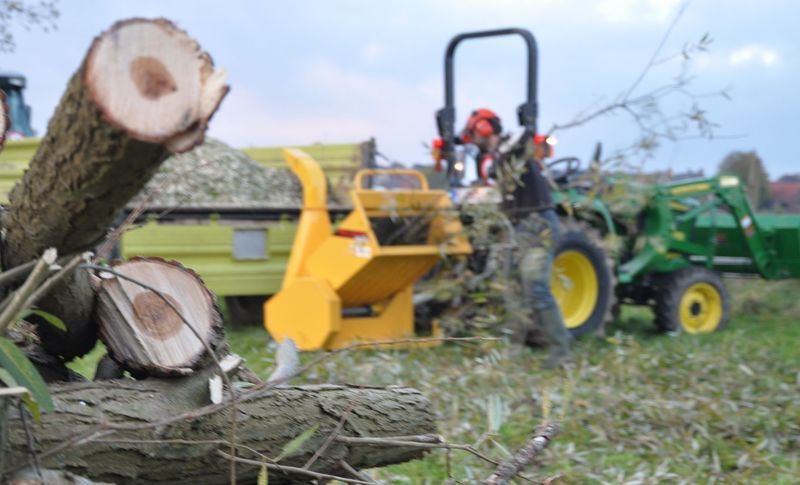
<point x="506" y="470"/>
<point x="93" y="432"/>
<point x="133" y="410"/>
<point x="19" y="299"/>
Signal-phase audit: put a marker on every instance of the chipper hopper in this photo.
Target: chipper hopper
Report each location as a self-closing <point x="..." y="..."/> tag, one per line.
<point x="354" y="283"/>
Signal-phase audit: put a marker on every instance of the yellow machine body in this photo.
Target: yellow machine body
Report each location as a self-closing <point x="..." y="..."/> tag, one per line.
<point x="355" y="283"/>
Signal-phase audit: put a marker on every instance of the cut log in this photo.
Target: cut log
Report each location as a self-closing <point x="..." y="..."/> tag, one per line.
<point x="141" y="330"/>
<point x="186" y="451"/>
<point x="154" y="82"/>
<point x="144" y="90"/>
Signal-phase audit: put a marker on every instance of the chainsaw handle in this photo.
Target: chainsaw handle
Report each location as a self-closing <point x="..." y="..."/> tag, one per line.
<point x="392" y="172"/>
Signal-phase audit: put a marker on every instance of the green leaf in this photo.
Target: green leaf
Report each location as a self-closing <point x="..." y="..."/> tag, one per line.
<point x="7" y="378"/>
<point x="48" y="317"/>
<point x="294" y="445"/>
<point x="34" y="408"/>
<point x="263" y="475"/>
<point x="21" y="369"/>
<point x="9" y="381"/>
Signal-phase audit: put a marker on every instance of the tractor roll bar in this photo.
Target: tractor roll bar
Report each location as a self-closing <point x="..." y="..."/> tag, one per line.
<point x="526" y="112"/>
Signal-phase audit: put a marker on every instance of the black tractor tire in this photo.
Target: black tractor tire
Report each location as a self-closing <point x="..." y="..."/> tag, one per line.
<point x="691" y="300"/>
<point x="245" y="310"/>
<point x="581" y="258"/>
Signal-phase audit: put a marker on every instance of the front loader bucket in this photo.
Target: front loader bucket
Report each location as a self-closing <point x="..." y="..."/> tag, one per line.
<point x="355" y="283"/>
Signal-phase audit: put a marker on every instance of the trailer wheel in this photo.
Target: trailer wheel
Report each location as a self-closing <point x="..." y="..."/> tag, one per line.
<point x="583" y="279"/>
<point x="693" y="300"/>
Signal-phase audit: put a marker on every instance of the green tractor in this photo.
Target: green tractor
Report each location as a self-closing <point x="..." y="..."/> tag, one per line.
<point x="672" y="252"/>
<point x="669" y="253"/>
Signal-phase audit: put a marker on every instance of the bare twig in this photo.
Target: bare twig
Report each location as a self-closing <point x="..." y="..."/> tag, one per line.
<point x="292" y="469"/>
<point x="427" y="442"/>
<point x="29" y="437"/>
<point x="18" y="301"/>
<point x="644" y="109"/>
<point x="16" y="273"/>
<point x="424" y="442"/>
<point x="653" y="59"/>
<point x="56" y="278"/>
<point x="104" y="251"/>
<point x="330" y="438"/>
<point x="511" y="467"/>
<point x="355" y="472"/>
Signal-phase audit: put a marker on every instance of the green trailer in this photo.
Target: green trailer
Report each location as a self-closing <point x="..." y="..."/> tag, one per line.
<point x="240" y="252"/>
<point x="241" y="256"/>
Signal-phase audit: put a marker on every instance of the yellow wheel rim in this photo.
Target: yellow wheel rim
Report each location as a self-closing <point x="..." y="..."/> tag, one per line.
<point x="575" y="287"/>
<point x="701" y="308"/>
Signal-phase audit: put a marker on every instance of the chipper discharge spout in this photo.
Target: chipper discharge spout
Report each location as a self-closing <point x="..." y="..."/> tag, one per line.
<point x="354" y="283"/>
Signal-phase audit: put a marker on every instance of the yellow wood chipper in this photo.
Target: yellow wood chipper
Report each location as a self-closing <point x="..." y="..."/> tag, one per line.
<point x="354" y="283"/>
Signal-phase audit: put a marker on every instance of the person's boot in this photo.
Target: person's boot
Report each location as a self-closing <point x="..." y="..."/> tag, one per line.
<point x="553" y="325"/>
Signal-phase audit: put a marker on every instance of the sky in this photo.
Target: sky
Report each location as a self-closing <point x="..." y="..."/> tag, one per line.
<point x="346" y="70"/>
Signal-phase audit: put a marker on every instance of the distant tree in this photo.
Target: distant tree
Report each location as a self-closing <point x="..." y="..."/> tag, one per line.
<point x="790" y="177"/>
<point x="749" y="167"/>
<point x="27" y="14"/>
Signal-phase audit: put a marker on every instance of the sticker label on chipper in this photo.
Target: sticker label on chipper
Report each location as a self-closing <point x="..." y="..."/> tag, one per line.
<point x="747" y="226"/>
<point x="360" y="247"/>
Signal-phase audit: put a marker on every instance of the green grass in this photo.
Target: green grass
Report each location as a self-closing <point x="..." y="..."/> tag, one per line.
<point x="637" y="407"/>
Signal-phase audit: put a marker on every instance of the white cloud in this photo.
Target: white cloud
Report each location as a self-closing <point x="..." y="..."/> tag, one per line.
<point x="369" y="91"/>
<point x="373" y="52"/>
<point x="248" y="118"/>
<point x="628" y="11"/>
<point x="399" y="114"/>
<point x="754" y="53"/>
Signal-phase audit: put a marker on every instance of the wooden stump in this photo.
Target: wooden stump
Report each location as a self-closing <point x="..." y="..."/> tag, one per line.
<point x="142" y="330"/>
<point x="145" y="89"/>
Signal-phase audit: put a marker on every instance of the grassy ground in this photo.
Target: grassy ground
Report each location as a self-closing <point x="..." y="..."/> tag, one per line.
<point x="637" y="407"/>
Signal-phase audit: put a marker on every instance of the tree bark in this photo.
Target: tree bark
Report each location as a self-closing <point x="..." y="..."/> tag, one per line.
<point x="4" y="119"/>
<point x="266" y="424"/>
<point x="144" y="89"/>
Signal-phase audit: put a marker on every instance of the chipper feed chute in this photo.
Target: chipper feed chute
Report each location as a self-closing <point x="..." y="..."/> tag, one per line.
<point x="355" y="283"/>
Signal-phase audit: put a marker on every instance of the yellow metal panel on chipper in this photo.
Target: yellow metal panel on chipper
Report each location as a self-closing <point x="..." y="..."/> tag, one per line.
<point x="368" y="265"/>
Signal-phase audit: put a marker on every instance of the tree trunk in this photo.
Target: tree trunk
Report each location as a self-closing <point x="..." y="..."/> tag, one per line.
<point x="266" y="424"/>
<point x="141" y="330"/>
<point x="4" y="119"/>
<point x="144" y="89"/>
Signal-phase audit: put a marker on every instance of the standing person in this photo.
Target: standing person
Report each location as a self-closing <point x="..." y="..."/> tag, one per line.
<point x="515" y="166"/>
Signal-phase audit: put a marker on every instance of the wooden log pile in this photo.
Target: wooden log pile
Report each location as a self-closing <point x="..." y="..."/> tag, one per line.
<point x="146" y="90"/>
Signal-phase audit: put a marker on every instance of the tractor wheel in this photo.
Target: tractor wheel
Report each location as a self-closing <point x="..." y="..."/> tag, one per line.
<point x="693" y="300"/>
<point x="583" y="279"/>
